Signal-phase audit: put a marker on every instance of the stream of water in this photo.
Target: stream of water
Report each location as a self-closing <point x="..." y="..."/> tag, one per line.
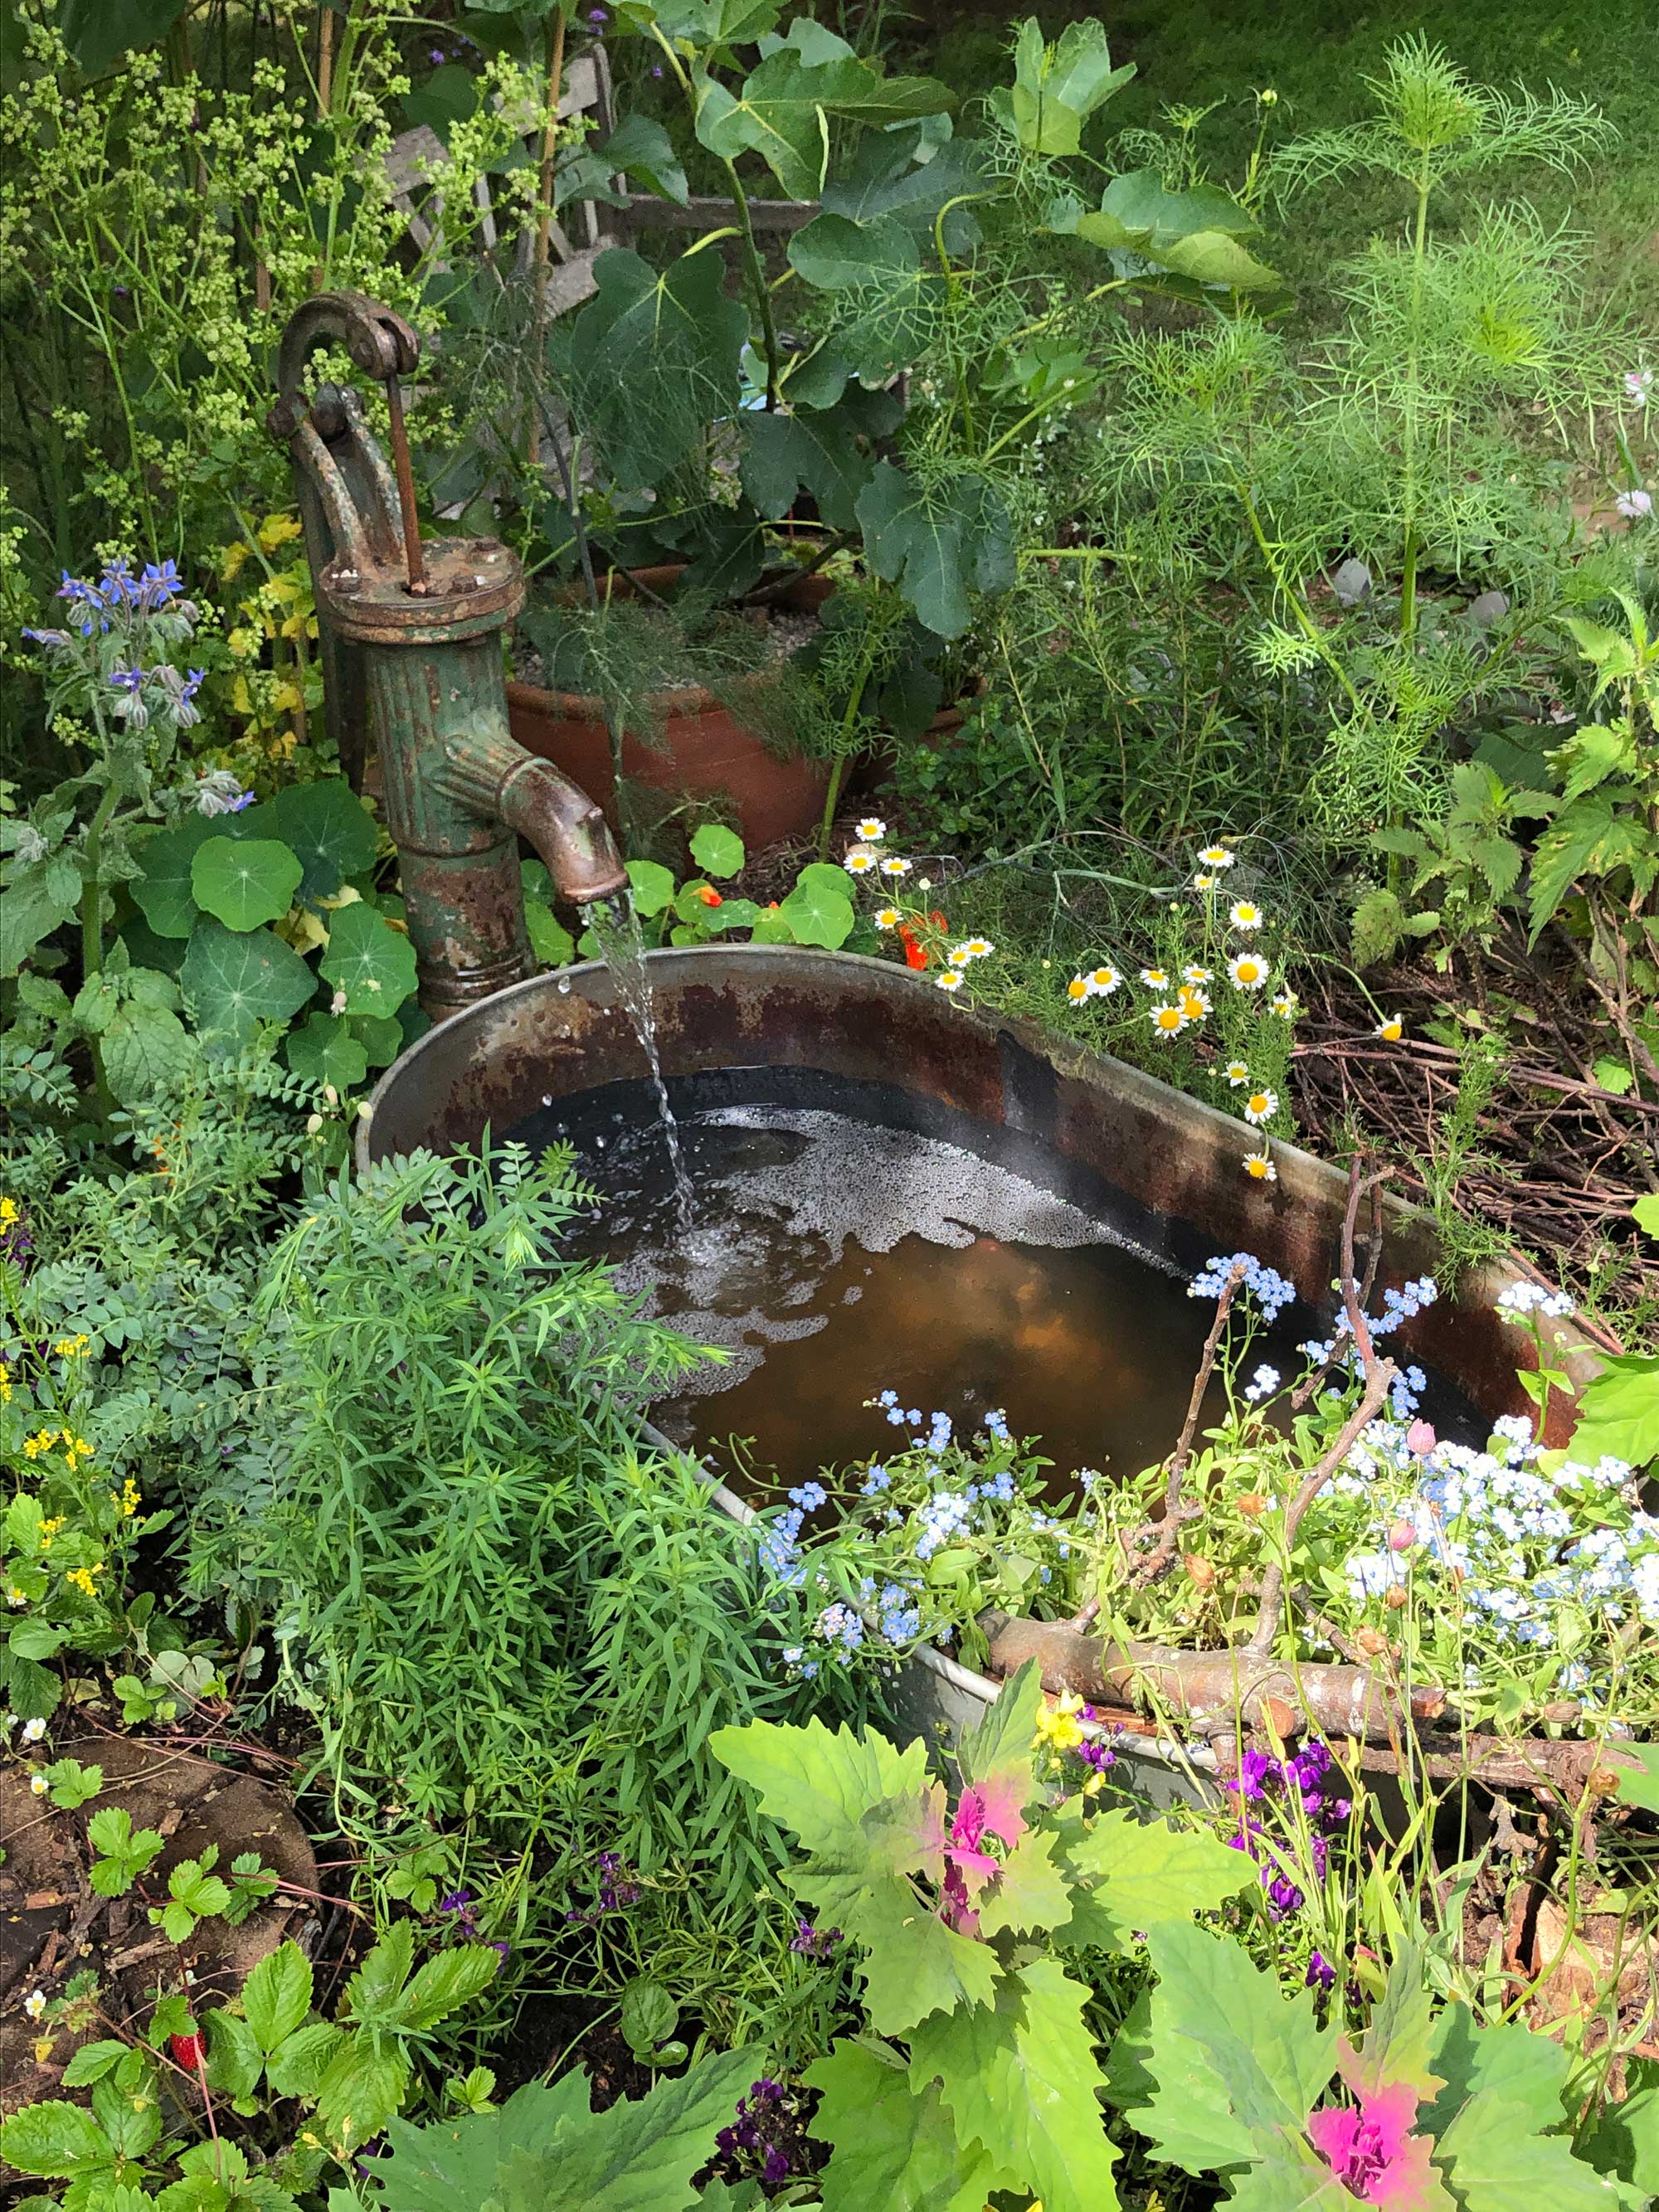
<point x="616" y="928"/>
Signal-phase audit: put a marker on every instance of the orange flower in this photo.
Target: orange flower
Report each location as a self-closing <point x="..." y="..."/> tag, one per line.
<point x="709" y="895"/>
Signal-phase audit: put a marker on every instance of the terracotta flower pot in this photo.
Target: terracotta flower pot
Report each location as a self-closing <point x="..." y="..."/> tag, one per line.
<point x="705" y="750"/>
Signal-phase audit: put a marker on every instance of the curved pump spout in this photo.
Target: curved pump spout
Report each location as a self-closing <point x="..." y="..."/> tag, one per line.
<point x="495" y="778"/>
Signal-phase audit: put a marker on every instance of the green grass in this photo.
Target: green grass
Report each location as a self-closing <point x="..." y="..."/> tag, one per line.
<point x="1317" y="54"/>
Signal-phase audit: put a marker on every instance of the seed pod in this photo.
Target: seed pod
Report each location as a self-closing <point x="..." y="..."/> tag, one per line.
<point x="1199" y="1570"/>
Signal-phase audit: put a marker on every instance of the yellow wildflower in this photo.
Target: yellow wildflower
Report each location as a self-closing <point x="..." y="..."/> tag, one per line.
<point x="1057" y="1727"/>
<point x="5" y="1383"/>
<point x="71" y="1347"/>
<point x="83" y="1577"/>
<point x="8" y="1214"/>
<point x="129" y="1500"/>
<point x="35" y="1445"/>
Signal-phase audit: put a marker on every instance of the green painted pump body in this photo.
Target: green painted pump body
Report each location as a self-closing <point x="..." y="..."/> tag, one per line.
<point x="410" y="636"/>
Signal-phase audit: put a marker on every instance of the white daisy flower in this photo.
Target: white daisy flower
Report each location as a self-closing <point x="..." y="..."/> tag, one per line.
<point x="1203" y="883"/>
<point x="1247" y="970"/>
<point x="1194" y="1003"/>
<point x="1194" y="975"/>
<point x="1217" y="856"/>
<point x="1236" y="1073"/>
<point x="890" y="865"/>
<point x="1244" y="914"/>
<point x="975" y="948"/>
<point x="871" y="831"/>
<point x="1167" y="1021"/>
<point x="888" y="917"/>
<point x="1078" y="990"/>
<point x="1284" y="1004"/>
<point x="1156" y="979"/>
<point x="1259" y="1168"/>
<point x="860" y="860"/>
<point x="1103" y="982"/>
<point x="1260" y="1106"/>
<point x="1390" y="1030"/>
<point x="949" y="980"/>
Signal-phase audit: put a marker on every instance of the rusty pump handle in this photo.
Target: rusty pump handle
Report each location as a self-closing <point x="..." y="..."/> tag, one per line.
<point x="385" y="348"/>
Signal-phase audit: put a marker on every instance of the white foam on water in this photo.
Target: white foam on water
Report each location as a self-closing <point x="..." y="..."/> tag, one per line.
<point x="772" y="1229"/>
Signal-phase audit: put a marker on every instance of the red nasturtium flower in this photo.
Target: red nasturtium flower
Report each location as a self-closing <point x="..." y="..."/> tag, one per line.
<point x="709" y="895"/>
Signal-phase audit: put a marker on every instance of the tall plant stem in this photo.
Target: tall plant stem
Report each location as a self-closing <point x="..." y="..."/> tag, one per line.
<point x="1409" y="427"/>
<point x="761" y="289"/>
<point x="843" y="751"/>
<point x="544" y="202"/>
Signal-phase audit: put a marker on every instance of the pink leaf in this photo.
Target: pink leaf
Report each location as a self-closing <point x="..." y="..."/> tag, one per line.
<point x="1002" y="1797"/>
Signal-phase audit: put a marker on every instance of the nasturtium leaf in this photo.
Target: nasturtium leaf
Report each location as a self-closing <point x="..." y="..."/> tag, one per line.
<point x="549" y="940"/>
<point x="331" y="831"/>
<point x="937" y="541"/>
<point x="1646" y="1214"/>
<point x="820" y="910"/>
<point x="652" y="886"/>
<point x="1230" y="2054"/>
<point x="234" y="979"/>
<point x="1135" y="1874"/>
<point x="325" y="1051"/>
<point x="369" y="960"/>
<point x="244" y="881"/>
<point x="892" y="2148"/>
<point x="380" y="1036"/>
<point x="1019" y="2077"/>
<point x="717" y="850"/>
<point x="163" y="888"/>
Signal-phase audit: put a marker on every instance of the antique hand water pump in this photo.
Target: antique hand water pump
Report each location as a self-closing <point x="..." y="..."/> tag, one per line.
<point x="412" y="653"/>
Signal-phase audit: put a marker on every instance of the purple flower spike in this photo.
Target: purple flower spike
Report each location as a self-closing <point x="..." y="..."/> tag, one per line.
<point x="1320" y="1974"/>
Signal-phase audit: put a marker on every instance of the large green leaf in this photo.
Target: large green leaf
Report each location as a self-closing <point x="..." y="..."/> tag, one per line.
<point x="937" y="541"/>
<point x="234" y="979"/>
<point x="893" y="2150"/>
<point x="1196" y="234"/>
<point x="1031" y="1893"/>
<point x="146" y="1052"/>
<point x="1057" y="88"/>
<point x="1231" y="2057"/>
<point x="37" y="899"/>
<point x="325" y="1051"/>
<point x="1400" y="2033"/>
<point x="1591" y="837"/>
<point x="889" y="311"/>
<point x="638" y="147"/>
<point x="784" y="454"/>
<point x="276" y="1994"/>
<point x="884" y="179"/>
<point x="331" y="829"/>
<point x="1289" y="2175"/>
<point x="816" y="1781"/>
<point x="717" y="850"/>
<point x="781" y="113"/>
<point x="451" y="2163"/>
<point x="638" y="2156"/>
<point x="369" y="960"/>
<point x="1619" y="1410"/>
<point x="243" y="881"/>
<point x="997" y="1755"/>
<point x="99" y="31"/>
<point x="1624" y="2139"/>
<point x="1136" y="1874"/>
<point x="163" y="888"/>
<point x="1493" y="2123"/>
<point x="1019" y="2078"/>
<point x="653" y="359"/>
<point x="718" y="22"/>
<point x="56" y="2141"/>
<point x="820" y="910"/>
